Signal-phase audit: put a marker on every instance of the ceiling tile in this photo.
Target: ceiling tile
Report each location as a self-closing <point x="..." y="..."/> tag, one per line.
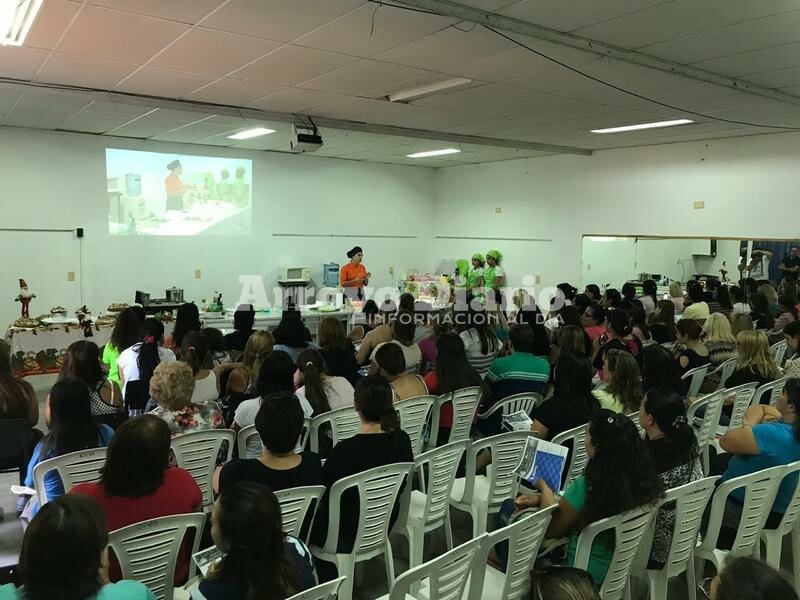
<point x="479" y="126"/>
<point x="233" y="92"/>
<point x="53" y="19"/>
<point x="8" y="98"/>
<point x="349" y="108"/>
<point x="38" y="108"/>
<point x="777" y="78"/>
<point x="755" y="61"/>
<point x="442" y="122"/>
<point x="367" y="31"/>
<point x="163" y="82"/>
<point x="291" y="65"/>
<point x="74" y="69"/>
<point x="105" y="33"/>
<point x="91" y="121"/>
<point x="193" y="133"/>
<point x="283" y="21"/>
<point x="567" y="15"/>
<point x="294" y="100"/>
<point x="362" y="77"/>
<point x="19" y="62"/>
<point x="185" y="11"/>
<point x="397" y="113"/>
<point x="493" y="99"/>
<point x="154" y="124"/>
<point x="191" y="52"/>
<point x="500" y="66"/>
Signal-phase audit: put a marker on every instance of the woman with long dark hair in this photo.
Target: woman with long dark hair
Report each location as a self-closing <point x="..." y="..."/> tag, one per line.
<point x="82" y="360"/>
<point x="787" y="312"/>
<point x="69" y="418"/>
<point x="619" y="476"/>
<point x="260" y="560"/>
<point x="244" y="319"/>
<point x="187" y="318"/>
<point x="690" y="352"/>
<point x="641" y="329"/>
<point x="403" y="329"/>
<point x="476" y="334"/>
<point x="17" y="398"/>
<point x="392" y="365"/>
<point x="760" y="311"/>
<point x="275" y="374"/>
<point x="337" y="350"/>
<point x="649" y="296"/>
<point x="323" y="392"/>
<point x="194" y="352"/>
<point x="126" y="332"/>
<point x="138" y="362"/>
<point x="619" y="336"/>
<point x="291" y="335"/>
<point x="745" y="578"/>
<point x="659" y="369"/>
<point x="663" y="327"/>
<point x="672" y="444"/>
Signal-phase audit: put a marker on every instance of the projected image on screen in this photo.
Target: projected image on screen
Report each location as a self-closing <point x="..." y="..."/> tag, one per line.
<point x="150" y="193"/>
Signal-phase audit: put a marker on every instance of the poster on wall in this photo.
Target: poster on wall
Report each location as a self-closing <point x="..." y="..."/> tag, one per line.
<point x="155" y="193"/>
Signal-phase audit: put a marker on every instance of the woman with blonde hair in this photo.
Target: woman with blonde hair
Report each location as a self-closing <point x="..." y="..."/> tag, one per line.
<point x="754" y="362"/>
<point x="244" y="376"/>
<point x="623" y="392"/>
<point x="771" y="295"/>
<point x="719" y="340"/>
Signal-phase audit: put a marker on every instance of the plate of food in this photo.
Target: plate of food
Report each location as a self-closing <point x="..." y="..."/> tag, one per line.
<point x="116" y="307"/>
<point x="106" y="320"/>
<point x="58" y="311"/>
<point x="26" y="323"/>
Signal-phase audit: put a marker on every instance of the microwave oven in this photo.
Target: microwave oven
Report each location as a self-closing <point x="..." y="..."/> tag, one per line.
<point x="298" y="274"/>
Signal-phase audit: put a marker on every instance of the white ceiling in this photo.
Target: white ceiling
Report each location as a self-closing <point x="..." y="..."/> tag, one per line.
<point x="340" y="58"/>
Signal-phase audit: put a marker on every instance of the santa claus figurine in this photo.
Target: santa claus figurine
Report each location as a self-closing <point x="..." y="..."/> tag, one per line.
<point x="24" y="297"/>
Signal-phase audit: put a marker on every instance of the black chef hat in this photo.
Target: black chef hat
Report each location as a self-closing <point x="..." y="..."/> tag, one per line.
<point x="355" y="250"/>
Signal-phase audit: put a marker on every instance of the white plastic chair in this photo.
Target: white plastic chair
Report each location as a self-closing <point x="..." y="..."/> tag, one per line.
<point x="465" y="404"/>
<point x="248" y="442"/>
<point x="443" y="578"/>
<point x="377" y="492"/>
<point x="669" y="345"/>
<point x="578" y="459"/>
<point x="426" y="512"/>
<point x="773" y="388"/>
<point x="518" y="402"/>
<point x="524" y="536"/>
<point x="344" y="423"/>
<point x="790" y="523"/>
<point x="295" y="503"/>
<point x="689" y="502"/>
<point x="707" y="429"/>
<point x="148" y="551"/>
<point x="629" y="529"/>
<point x="634" y="416"/>
<point x="323" y="591"/>
<point x="723" y="371"/>
<point x="480" y="495"/>
<point x="696" y="377"/>
<point x="414" y="413"/>
<point x="197" y="453"/>
<point x="760" y="489"/>
<point x="73" y="468"/>
<point x="743" y="397"/>
<point x="778" y="352"/>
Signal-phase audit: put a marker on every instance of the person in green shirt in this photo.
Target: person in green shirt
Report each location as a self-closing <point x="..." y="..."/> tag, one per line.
<point x="619" y="477"/>
<point x="124" y="335"/>
<point x="475" y="274"/>
<point x="461" y="273"/>
<point x="494" y="276"/>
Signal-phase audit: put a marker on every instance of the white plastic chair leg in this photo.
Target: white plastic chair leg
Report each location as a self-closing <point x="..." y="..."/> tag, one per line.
<point x="772" y="542"/>
<point x="416" y="543"/>
<point x="691" y="580"/>
<point x="345" y="566"/>
<point x="796" y="555"/>
<point x="657" y="583"/>
<point x="479" y="518"/>
<point x="448" y="530"/>
<point x="388" y="557"/>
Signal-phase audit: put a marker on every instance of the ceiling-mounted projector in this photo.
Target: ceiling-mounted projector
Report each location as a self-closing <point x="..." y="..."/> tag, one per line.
<point x="305" y="138"/>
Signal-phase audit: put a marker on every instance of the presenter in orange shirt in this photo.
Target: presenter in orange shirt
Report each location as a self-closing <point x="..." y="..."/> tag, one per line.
<point x="354" y="276"/>
<point x="173" y="186"/>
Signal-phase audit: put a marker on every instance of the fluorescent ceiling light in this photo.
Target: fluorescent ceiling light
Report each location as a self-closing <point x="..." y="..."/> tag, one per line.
<point x="250" y="133"/>
<point x="433" y="153"/>
<point x="426" y="90"/>
<point x="643" y="126"/>
<point x="16" y="19"/>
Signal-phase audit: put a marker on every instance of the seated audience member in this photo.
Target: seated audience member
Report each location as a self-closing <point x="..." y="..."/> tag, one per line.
<point x="769" y="292"/>
<point x="568" y="291"/>
<point x="611" y="299"/>
<point x="569" y="339"/>
<point x="723" y="301"/>
<point x="660" y="369"/>
<point x="792" y="334"/>
<point x="260" y="560"/>
<point x="243" y="377"/>
<point x="769" y="437"/>
<point x="760" y="312"/>
<point x="126" y="332"/>
<point x="594" y="320"/>
<point x="580" y="302"/>
<point x="82" y="361"/>
<point x="572" y="403"/>
<point x="566" y="315"/>
<point x="292" y="337"/>
<point x="187" y="318"/>
<point x="619" y="476"/>
<point x="369" y="319"/>
<point x="740" y="307"/>
<point x="623" y="392"/>
<point x="741" y="322"/>
<point x="629" y="299"/>
<point x="649" y="296"/>
<point x="744" y="578"/>
<point x="279" y="422"/>
<point x="317" y="389"/>
<point x="427" y="345"/>
<point x="17" y="401"/>
<point x="194" y="352"/>
<point x="663" y="328"/>
<point x="65" y="555"/>
<point x="562" y="583"/>
<point x="137" y="483"/>
<point x="244" y="318"/>
<point x="754" y="362"/>
<point x="519" y="372"/>
<point x="171" y="387"/>
<point x="673" y="448"/>
<point x="698" y="309"/>
<point x="718" y="339"/>
<point x="690" y="352"/>
<point x="379" y="442"/>
<point x="69" y="418"/>
<point x="593" y="291"/>
<point x="379" y="332"/>
<point x="392" y="365"/>
<point x="618" y="336"/>
<point x="676" y="296"/>
<point x="138" y="362"/>
<point x="787" y="312"/>
<point x="402" y="328"/>
<point x="337" y="350"/>
<point x="480" y="342"/>
<point x="275" y="374"/>
<point x="453" y="372"/>
<point x="217" y="354"/>
<point x="639" y="325"/>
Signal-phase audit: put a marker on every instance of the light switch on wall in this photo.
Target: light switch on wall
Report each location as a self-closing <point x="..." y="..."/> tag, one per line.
<point x="197" y="273"/>
<point x="391" y="270"/>
<point x="70" y="275"/>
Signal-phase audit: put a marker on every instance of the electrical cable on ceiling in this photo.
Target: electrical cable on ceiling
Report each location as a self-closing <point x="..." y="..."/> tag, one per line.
<point x="596" y="79"/>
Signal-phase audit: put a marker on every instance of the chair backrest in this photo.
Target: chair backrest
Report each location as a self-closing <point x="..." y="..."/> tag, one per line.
<point x="526" y="402"/>
<point x="792" y="514"/>
<point x="634" y="416"/>
<point x="524" y="536"/>
<point x="507" y="450"/>
<point x="323" y="591"/>
<point x="771" y="391"/>
<point x="377" y="491"/>
<point x="197" y="452"/>
<point x="15" y="436"/>
<point x="439" y="468"/>
<point x="447" y="574"/>
<point x="629" y="528"/>
<point x="668" y="345"/>
<point x="578" y="460"/>
<point x="73" y="468"/>
<point x="147" y="551"/>
<point x="295" y="503"/>
<point x="414" y="413"/>
<point x="778" y="352"/>
<point x="742" y="398"/>
<point x="465" y="405"/>
<point x="247" y="440"/>
<point x="760" y="489"/>
<point x="707" y="428"/>
<point x="723" y="371"/>
<point x="695" y="377"/>
<point x="689" y="502"/>
<point x="344" y="423"/>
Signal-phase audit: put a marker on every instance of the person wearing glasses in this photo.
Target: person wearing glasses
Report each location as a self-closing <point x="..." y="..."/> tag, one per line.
<point x="745" y="578"/>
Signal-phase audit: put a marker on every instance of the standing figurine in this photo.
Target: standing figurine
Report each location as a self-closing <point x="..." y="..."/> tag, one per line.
<point x="25" y="296"/>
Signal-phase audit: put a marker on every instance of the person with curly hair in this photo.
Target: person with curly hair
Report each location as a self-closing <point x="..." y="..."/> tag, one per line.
<point x="171" y="387"/>
<point x="623" y="391"/>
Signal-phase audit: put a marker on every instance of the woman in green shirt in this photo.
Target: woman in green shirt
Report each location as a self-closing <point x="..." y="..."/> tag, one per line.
<point x="494" y="276"/>
<point x="124" y="335"/>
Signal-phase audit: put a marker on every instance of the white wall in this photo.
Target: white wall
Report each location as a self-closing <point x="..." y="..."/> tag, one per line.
<point x="749" y="187"/>
<point x="53" y="180"/>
